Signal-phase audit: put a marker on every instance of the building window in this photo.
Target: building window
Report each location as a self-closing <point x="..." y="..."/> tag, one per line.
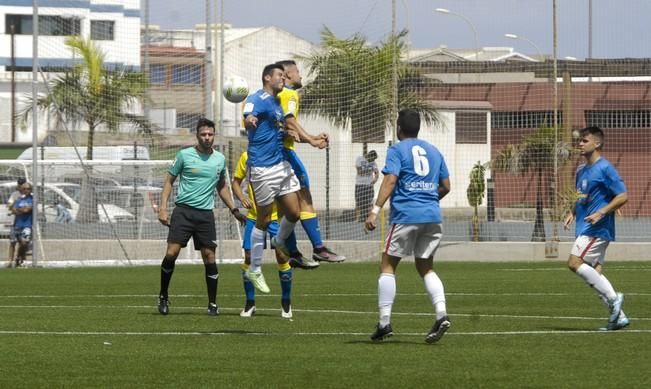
<point x="102" y="30"/>
<point x="524" y="119"/>
<point x="157" y="74"/>
<point x="187" y="120"/>
<point x="47" y="24"/>
<point x="471" y="127"/>
<point x="618" y="119"/>
<point x="186" y="74"/>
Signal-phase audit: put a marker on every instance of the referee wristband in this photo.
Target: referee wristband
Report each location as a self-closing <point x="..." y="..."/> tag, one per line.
<point x="234" y="210"/>
<point x="376" y="209"/>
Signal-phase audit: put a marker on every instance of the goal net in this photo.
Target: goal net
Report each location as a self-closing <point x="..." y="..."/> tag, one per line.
<point x="502" y="106"/>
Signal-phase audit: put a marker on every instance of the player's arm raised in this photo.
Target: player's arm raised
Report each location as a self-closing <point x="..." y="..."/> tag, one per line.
<point x="387" y="187"/>
<point x="299" y="133"/>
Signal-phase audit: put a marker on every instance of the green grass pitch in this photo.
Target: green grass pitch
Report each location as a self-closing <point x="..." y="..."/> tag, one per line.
<point x="513" y="325"/>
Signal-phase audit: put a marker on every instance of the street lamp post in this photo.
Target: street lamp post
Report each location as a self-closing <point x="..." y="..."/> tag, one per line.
<point x="514" y="36"/>
<point x="472" y="26"/>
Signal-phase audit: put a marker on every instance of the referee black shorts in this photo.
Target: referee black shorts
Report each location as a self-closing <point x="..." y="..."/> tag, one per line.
<point x="189" y="222"/>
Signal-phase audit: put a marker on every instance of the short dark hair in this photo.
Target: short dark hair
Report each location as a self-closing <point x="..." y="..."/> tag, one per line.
<point x="203" y="122"/>
<point x="372" y="155"/>
<point x="594" y="131"/>
<point x="409" y="122"/>
<point x="268" y="70"/>
<point x="286" y="63"/>
<point x="21" y="181"/>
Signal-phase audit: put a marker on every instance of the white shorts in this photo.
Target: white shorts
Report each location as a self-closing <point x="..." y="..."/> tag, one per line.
<point x="591" y="250"/>
<point x="421" y="240"/>
<point x="272" y="181"/>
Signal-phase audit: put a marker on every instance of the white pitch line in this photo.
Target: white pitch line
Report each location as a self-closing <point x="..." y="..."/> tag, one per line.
<point x="319" y="311"/>
<point x="154" y="296"/>
<point x="285" y="333"/>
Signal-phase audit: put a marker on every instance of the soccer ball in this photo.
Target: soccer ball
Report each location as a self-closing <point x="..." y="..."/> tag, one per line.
<point x="235" y="89"/>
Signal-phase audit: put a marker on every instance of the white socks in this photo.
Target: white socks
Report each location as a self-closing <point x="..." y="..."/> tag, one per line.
<point x="257" y="249"/>
<point x="284" y="230"/>
<point x="386" y="291"/>
<point x="598" y="281"/>
<point x="436" y="293"/>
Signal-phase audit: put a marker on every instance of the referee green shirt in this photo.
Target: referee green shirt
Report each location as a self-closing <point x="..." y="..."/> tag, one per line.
<point x="199" y="174"/>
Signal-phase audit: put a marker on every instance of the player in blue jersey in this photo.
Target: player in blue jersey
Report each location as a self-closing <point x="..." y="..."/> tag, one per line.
<point x="201" y="169"/>
<point x="416" y="178"/>
<point x="270" y="175"/>
<point x="601" y="192"/>
<point x="22" y="227"/>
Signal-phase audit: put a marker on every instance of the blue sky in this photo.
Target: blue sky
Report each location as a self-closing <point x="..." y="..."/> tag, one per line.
<point x="620" y="28"/>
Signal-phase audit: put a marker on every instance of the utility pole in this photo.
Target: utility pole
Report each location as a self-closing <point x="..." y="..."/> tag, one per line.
<point x="12" y="30"/>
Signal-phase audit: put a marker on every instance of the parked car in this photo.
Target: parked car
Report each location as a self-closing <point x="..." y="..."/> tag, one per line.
<point x="65" y="195"/>
<point x="139" y="200"/>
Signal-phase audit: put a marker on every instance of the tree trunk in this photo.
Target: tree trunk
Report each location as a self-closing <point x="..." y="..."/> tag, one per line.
<point x="88" y="200"/>
<point x="539" y="225"/>
<point x="475" y="226"/>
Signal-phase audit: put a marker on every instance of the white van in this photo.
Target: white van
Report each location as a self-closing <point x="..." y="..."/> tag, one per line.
<point x="68" y="172"/>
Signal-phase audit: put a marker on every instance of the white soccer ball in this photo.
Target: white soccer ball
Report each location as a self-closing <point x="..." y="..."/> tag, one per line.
<point x="236" y="89"/>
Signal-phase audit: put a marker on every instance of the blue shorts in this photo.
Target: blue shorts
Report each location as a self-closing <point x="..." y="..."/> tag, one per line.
<point x="272" y="229"/>
<point x="16" y="234"/>
<point x="299" y="169"/>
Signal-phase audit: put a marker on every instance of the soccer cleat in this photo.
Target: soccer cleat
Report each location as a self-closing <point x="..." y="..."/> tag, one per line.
<point x="213" y="309"/>
<point x="615" y="308"/>
<point x="248" y="311"/>
<point x="163" y="305"/>
<point x="286" y="309"/>
<point x="258" y="281"/>
<point x="438" y="330"/>
<point x="326" y="255"/>
<point x="621" y="322"/>
<point x="281" y="247"/>
<point x="298" y="260"/>
<point x="382" y="333"/>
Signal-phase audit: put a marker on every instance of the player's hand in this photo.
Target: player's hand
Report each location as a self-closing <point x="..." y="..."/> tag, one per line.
<point x="371" y="222"/>
<point x="569" y="219"/>
<point x="163" y="217"/>
<point x="240" y="218"/>
<point x="595" y="217"/>
<point x="250" y="122"/>
<point x="246" y="203"/>
<point x="294" y="135"/>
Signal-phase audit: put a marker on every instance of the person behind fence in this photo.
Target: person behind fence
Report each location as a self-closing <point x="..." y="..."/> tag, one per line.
<point x="416" y="178"/>
<point x="600" y="193"/>
<point x="10" y="205"/>
<point x="367" y="176"/>
<point x="63" y="214"/>
<point x="243" y="191"/>
<point x="201" y="169"/>
<point x="22" y="228"/>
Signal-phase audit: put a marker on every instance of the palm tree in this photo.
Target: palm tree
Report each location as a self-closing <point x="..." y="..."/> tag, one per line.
<point x="352" y="84"/>
<point x="475" y="195"/>
<point x="92" y="94"/>
<point x="535" y="154"/>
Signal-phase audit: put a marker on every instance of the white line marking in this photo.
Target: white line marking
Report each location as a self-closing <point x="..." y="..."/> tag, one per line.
<point x="328" y="311"/>
<point x="285" y="333"/>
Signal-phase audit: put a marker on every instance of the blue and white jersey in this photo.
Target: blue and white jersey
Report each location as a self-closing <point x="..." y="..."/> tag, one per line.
<point x="419" y="167"/>
<point x="24" y="220"/>
<point x="597" y="185"/>
<point x="266" y="141"/>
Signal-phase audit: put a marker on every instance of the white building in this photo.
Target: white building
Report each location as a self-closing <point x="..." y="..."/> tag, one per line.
<point x="114" y="25"/>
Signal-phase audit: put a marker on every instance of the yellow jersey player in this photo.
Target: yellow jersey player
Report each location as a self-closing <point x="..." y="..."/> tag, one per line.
<point x="284" y="270"/>
<point x="289" y="101"/>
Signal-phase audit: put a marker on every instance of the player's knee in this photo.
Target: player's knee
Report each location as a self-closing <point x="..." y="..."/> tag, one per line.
<point x="170" y="257"/>
<point x="573" y="263"/>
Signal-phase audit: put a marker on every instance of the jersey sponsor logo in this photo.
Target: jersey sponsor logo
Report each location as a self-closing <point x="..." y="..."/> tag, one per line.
<point x="419" y="186"/>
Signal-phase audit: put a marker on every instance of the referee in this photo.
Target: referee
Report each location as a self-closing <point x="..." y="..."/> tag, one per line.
<point x="201" y="169"/>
